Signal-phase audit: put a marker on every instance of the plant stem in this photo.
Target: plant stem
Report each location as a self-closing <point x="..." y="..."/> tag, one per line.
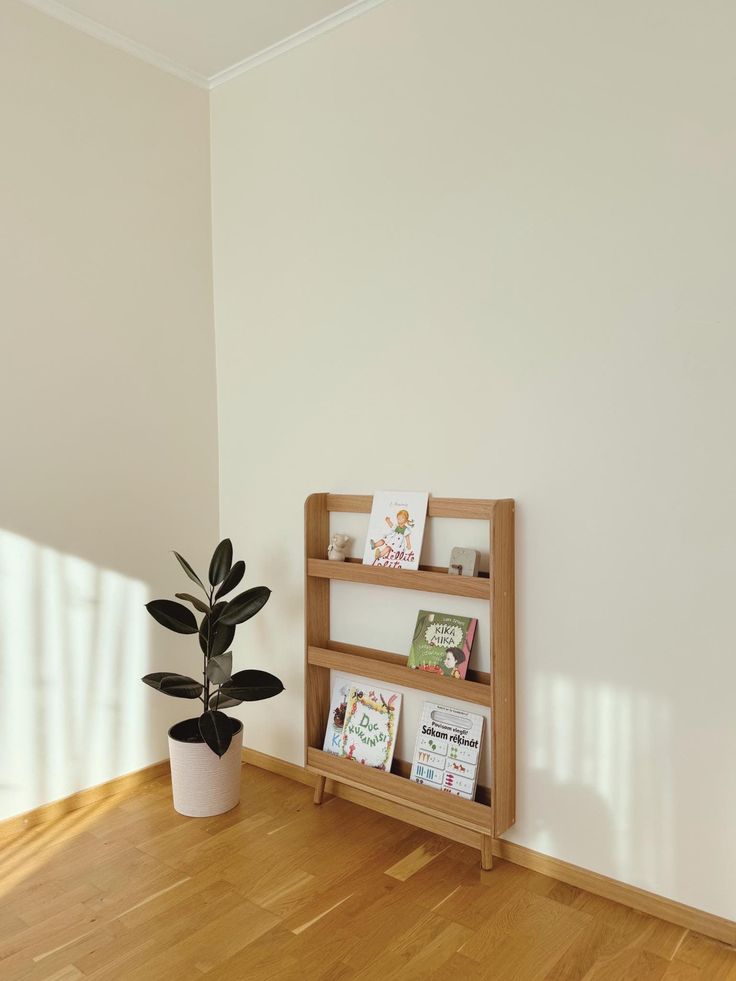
<point x="207" y="654"/>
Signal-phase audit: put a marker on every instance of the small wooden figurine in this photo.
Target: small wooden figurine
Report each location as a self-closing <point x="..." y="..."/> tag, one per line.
<point x="337" y="548"/>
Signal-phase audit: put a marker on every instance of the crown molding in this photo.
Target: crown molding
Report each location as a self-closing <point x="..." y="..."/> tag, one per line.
<point x="94" y="29"/>
<point x="57" y="10"/>
<point x="322" y="26"/>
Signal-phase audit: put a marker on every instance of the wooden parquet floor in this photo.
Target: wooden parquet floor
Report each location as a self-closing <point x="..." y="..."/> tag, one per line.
<point x="279" y="888"/>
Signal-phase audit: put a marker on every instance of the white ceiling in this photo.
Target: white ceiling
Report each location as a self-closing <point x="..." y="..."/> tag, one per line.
<point x="202" y="39"/>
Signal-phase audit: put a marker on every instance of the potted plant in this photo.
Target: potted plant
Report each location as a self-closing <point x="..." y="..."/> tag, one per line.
<point x="205" y="751"/>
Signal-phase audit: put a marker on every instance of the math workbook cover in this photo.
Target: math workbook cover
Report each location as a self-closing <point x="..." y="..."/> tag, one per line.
<point x="447" y="751"/>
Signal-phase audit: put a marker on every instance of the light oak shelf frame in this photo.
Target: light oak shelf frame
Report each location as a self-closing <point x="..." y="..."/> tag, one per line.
<point x="494" y="809"/>
<point x="422" y="579"/>
<point x="395" y="674"/>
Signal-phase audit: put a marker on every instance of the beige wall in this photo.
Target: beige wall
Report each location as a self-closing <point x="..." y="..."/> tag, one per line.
<point x="107" y="396"/>
<point x="486" y="249"/>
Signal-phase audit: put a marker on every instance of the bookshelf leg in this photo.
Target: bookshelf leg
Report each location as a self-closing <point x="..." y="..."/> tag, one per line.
<point x="486" y="852"/>
<point x="319" y="789"/>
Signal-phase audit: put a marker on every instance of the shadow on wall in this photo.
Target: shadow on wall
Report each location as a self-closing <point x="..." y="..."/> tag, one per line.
<point x="73" y="645"/>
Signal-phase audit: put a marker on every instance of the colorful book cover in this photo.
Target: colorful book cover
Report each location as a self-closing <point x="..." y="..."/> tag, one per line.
<point x="396" y="529"/>
<point x="442" y="643"/>
<point x="447" y="751"/>
<point x="336" y="719"/>
<point x="371" y="723"/>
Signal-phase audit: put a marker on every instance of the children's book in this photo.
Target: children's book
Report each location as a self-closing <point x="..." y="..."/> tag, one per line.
<point x="336" y="719"/>
<point x="396" y="529"/>
<point x="442" y="643"/>
<point x="371" y="723"/>
<point x="447" y="751"/>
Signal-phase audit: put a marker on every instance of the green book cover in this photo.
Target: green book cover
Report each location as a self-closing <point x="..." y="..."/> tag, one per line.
<point x="442" y="643"/>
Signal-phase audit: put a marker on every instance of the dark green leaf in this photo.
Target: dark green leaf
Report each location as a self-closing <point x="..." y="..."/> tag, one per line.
<point x="216" y="730"/>
<point x="245" y="605"/>
<point x="252" y="686"/>
<point x="155" y="679"/>
<point x="180" y="686"/>
<point x="204" y="628"/>
<point x="222" y="560"/>
<point x="198" y="604"/>
<point x="189" y="571"/>
<point x="173" y="615"/>
<point x="209" y="622"/>
<point x="232" y="578"/>
<point x="217" y="610"/>
<point x="177" y="685"/>
<point x="219" y="701"/>
<point x="224" y="636"/>
<point x="221" y="639"/>
<point x="220" y="668"/>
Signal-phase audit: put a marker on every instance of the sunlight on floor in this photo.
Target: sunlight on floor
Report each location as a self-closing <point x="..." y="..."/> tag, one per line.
<point x="24" y="854"/>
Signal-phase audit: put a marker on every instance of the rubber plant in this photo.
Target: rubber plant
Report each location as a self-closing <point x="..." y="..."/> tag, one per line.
<point x="219" y="688"/>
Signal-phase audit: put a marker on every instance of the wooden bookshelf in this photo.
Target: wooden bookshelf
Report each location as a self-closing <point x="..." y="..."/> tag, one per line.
<point x="493" y="810"/>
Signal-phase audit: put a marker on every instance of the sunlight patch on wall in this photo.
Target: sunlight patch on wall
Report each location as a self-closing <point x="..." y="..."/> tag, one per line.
<point x="73" y="646"/>
<point x="604" y="752"/>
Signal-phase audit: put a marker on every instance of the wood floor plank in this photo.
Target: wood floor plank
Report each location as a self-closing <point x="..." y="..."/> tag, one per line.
<point x="614" y="930"/>
<point x="439" y="884"/>
<point x="682" y="971"/>
<point x="69" y="973"/>
<point x="223" y="934"/>
<point x="714" y="959"/>
<point x="462" y="968"/>
<point x="526" y="937"/>
<point x="430" y="943"/>
<point x="285" y="893"/>
<point x="629" y="965"/>
<point x="596" y="942"/>
<point x="417" y="859"/>
<point x="155" y="927"/>
<point x="38" y="908"/>
<point x="264" y="960"/>
<point x="489" y="892"/>
<point x="562" y="892"/>
<point x="10" y="924"/>
<point x="128" y="890"/>
<point x="664" y="939"/>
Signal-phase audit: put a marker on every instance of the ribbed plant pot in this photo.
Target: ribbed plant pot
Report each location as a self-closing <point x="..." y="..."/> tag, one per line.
<point x="203" y="783"/>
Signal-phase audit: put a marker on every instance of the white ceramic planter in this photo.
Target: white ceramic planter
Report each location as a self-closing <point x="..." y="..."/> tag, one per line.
<point x="203" y="783"/>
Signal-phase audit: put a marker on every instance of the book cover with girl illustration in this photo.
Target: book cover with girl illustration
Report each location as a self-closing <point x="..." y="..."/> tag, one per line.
<point x="370" y="726"/>
<point x="396" y="529"/>
<point x="442" y="643"/>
